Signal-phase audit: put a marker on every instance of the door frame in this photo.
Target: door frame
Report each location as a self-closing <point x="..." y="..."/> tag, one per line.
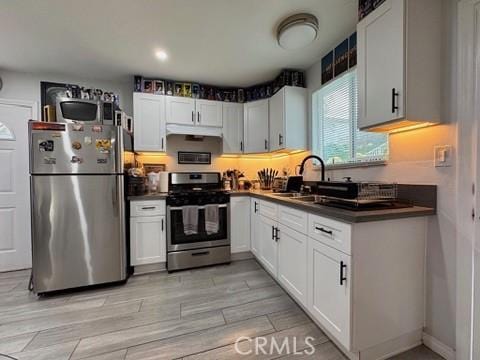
<point x="468" y="181"/>
<point x="33" y="105"/>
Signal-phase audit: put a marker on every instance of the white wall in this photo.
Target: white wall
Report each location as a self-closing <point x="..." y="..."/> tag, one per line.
<point x="26" y="86"/>
<point x="411" y="161"/>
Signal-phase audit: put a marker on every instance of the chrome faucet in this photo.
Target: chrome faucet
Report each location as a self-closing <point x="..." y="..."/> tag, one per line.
<point x="302" y="165"/>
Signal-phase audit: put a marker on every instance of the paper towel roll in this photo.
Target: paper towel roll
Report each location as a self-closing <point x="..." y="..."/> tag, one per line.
<point x="163" y="181"/>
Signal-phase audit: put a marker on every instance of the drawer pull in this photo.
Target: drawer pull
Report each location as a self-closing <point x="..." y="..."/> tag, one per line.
<point x="329" y="232"/>
<point x="202" y="253"/>
<point x="342" y="268"/>
<point x="148" y="208"/>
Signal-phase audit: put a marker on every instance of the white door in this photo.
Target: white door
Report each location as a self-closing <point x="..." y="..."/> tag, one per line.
<point x="15" y="238"/>
<point x="240" y="226"/>
<point x="381" y="65"/>
<point x="209" y="113"/>
<point x="232" y="128"/>
<point x="292" y="262"/>
<point x="147" y="240"/>
<point x="255" y="227"/>
<point x="268" y="245"/>
<point x="149" y="122"/>
<point x="180" y="110"/>
<point x="329" y="296"/>
<point x="277" y="120"/>
<point x="256" y="126"/>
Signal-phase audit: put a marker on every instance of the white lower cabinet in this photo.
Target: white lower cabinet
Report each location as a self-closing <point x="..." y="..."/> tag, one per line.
<point x="240" y="224"/>
<point x="268" y="244"/>
<point x="329" y="296"/>
<point x="292" y="262"/>
<point x="147" y="233"/>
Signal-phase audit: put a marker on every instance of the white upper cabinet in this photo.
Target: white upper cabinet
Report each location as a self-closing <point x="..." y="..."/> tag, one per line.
<point x="193" y="112"/>
<point x="232" y="128"/>
<point x="399" y="65"/>
<point x="288" y="119"/>
<point x="149" y="122"/>
<point x="181" y="110"/>
<point x="209" y="113"/>
<point x="256" y="126"/>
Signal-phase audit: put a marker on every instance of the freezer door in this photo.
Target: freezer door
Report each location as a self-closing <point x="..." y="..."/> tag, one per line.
<point x="75" y="149"/>
<point x="78" y="231"/>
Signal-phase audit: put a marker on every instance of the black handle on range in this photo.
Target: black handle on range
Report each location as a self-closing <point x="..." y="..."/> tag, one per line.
<point x="394" y="103"/>
<point x="329" y="232"/>
<point x="343" y="278"/>
<point x="201" y="253"/>
<point x="255" y="209"/>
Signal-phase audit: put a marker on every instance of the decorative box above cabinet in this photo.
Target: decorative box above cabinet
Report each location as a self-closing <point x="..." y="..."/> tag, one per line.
<point x="288" y="119"/>
<point x="149" y="122"/>
<point x="399" y="65"/>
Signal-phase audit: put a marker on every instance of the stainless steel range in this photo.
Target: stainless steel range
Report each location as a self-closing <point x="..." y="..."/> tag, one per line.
<point x="198" y="221"/>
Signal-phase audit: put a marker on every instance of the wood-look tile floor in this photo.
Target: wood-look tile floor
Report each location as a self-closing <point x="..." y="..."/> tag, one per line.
<point x="195" y="314"/>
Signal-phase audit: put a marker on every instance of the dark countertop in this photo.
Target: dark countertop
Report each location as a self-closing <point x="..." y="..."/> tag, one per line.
<point x="341" y="214"/>
<point x="156" y="196"/>
<point x="317" y="209"/>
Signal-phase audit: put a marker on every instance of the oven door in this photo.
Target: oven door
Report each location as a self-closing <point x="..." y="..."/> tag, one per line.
<point x="177" y="239"/>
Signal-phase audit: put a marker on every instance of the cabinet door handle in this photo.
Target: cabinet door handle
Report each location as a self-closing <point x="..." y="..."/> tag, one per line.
<point x="277" y="231"/>
<point x="266" y="144"/>
<point x="198" y="116"/>
<point x="343" y="278"/>
<point x="162" y="225"/>
<point x="280" y="139"/>
<point x="148" y="208"/>
<point x="193" y="117"/>
<point x="241" y="145"/>
<point x="329" y="232"/>
<point x="162" y="143"/>
<point x="255" y="209"/>
<point x="394" y="102"/>
<point x="273" y="233"/>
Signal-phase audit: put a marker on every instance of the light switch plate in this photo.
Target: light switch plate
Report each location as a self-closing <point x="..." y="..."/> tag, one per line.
<point x="443" y="155"/>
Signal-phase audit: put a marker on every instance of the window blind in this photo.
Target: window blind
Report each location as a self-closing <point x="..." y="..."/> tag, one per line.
<point x="336" y="136"/>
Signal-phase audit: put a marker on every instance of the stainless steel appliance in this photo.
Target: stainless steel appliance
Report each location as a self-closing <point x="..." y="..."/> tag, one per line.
<point x="287" y="183"/>
<point x="85" y="111"/>
<point x="201" y="248"/>
<point x="77" y="204"/>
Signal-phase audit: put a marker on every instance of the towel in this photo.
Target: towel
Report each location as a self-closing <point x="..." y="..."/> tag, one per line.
<point x="211" y="219"/>
<point x="190" y="220"/>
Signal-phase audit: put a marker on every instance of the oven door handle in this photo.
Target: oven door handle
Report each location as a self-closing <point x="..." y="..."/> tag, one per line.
<point x="199" y="208"/>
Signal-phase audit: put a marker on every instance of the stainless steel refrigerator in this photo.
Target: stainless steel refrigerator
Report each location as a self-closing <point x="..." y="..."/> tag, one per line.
<point x="77" y="205"/>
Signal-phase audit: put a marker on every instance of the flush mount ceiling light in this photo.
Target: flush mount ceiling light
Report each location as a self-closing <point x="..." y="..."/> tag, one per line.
<point x="161" y="55"/>
<point x="297" y="31"/>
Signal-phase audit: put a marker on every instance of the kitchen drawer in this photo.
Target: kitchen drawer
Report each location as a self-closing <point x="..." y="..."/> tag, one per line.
<point x="147" y="208"/>
<point x="293" y="218"/>
<point x="268" y="209"/>
<point x="330" y="232"/>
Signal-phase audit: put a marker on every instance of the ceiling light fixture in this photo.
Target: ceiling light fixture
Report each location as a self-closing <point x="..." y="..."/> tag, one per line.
<point x="297" y="31"/>
<point x="161" y="55"/>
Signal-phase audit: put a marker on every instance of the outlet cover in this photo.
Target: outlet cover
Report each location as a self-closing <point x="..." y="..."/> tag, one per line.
<point x="443" y="155"/>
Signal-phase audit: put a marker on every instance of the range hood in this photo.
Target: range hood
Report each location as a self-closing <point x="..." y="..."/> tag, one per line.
<point x="174" y="129"/>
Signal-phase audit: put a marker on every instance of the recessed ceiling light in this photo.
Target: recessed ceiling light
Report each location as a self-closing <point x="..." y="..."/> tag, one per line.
<point x="161" y="55"/>
<point x="297" y="31"/>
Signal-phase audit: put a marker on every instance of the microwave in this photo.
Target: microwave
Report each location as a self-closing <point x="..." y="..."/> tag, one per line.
<point x="85" y="111"/>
